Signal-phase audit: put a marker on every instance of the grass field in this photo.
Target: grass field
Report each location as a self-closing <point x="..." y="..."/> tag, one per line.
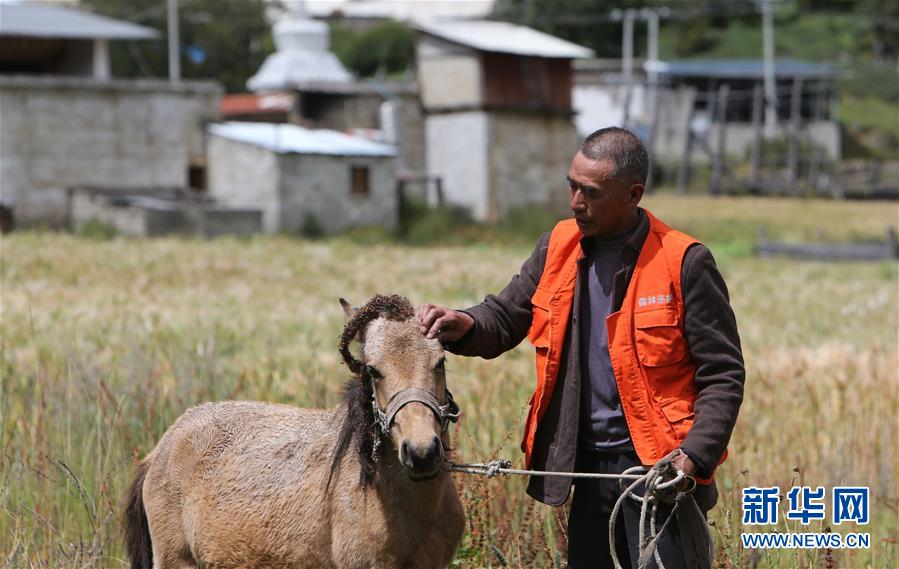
<point x="106" y="342"/>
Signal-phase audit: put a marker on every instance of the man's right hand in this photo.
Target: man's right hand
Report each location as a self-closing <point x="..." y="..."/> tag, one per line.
<point x="445" y="324"/>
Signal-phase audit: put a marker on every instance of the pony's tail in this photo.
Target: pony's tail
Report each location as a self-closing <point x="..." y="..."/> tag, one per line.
<point x="137" y="531"/>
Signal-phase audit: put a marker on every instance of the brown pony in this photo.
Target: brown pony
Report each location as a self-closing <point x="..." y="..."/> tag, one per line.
<point x="248" y="484"/>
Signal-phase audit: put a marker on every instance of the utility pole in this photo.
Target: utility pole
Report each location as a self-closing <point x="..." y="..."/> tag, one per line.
<point x="174" y="43"/>
<point x="627" y="62"/>
<point x="770" y="85"/>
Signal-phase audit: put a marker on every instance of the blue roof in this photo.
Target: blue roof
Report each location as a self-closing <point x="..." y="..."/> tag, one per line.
<point x="739" y="68"/>
<point x="291" y="138"/>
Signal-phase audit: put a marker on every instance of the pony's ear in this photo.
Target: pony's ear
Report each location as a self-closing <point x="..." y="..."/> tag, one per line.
<point x="347" y="308"/>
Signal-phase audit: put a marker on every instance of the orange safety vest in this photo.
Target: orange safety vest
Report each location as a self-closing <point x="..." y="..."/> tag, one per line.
<point x="652" y="363"/>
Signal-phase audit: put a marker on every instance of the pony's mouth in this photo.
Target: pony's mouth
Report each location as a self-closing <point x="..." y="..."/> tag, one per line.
<point x="422" y="477"/>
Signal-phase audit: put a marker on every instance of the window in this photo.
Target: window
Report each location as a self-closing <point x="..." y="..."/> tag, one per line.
<point x="196" y="177"/>
<point x="359" y="176"/>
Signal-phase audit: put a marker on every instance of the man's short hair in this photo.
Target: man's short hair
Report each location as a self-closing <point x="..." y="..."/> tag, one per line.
<point x="624" y="148"/>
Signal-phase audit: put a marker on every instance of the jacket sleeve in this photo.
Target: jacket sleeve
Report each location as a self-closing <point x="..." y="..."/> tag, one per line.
<point x="710" y="328"/>
<point x="501" y="322"/>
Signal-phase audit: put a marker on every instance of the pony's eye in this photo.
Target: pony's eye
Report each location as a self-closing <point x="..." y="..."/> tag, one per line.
<point x="373" y="372"/>
<point x="440" y="365"/>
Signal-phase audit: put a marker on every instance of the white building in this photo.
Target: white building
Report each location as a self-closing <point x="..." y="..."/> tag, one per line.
<point x="301" y="177"/>
<point x="498" y="126"/>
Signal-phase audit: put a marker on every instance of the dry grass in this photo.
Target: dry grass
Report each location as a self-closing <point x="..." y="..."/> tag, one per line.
<point x="104" y="343"/>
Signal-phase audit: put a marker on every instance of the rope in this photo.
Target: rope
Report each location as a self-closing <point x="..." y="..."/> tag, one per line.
<point x="656" y="487"/>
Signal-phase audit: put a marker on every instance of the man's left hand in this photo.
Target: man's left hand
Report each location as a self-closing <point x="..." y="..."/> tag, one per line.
<point x="681" y="461"/>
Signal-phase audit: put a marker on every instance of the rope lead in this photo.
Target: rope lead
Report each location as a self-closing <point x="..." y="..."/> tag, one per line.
<point x="656" y="488"/>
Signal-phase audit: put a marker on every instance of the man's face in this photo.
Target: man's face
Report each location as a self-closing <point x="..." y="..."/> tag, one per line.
<point x="602" y="205"/>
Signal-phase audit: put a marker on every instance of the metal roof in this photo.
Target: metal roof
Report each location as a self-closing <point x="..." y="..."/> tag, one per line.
<point x="400" y="9"/>
<point x="502" y="37"/>
<point x="32" y="19"/>
<point x="291" y="138"/>
<point x="738" y="68"/>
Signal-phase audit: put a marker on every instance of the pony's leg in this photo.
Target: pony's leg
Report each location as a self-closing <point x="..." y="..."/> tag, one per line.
<point x="168" y="560"/>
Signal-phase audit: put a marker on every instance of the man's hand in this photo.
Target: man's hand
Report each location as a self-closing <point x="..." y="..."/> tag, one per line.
<point x="445" y="324"/>
<point x="681" y="461"/>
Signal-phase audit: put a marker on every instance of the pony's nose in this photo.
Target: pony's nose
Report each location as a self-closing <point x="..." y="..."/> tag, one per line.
<point x="423" y="458"/>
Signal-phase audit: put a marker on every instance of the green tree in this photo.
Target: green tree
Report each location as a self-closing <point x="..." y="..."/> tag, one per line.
<point x="388" y="47"/>
<point x="225" y="40"/>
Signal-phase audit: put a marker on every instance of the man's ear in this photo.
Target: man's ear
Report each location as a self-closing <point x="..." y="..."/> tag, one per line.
<point x="635" y="194"/>
<point x="347" y="308"/>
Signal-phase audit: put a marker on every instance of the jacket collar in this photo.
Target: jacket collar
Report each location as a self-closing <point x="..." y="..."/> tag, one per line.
<point x="630" y="250"/>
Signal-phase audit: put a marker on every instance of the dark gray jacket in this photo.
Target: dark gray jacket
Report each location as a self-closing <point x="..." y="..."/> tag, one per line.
<point x="502" y="322"/>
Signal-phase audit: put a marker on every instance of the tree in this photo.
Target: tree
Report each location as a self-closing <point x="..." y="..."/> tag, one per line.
<point x="388" y="47"/>
<point x="225" y="40"/>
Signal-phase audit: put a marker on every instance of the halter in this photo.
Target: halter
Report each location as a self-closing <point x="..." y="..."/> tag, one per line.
<point x="446" y="413"/>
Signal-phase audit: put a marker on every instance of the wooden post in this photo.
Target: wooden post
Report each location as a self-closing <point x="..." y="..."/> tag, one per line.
<point x="814" y="167"/>
<point x="793" y="147"/>
<point x="757" y="133"/>
<point x="720" y="155"/>
<point x="892" y="243"/>
<point x="683" y="175"/>
<point x="651" y="143"/>
<point x="438" y="185"/>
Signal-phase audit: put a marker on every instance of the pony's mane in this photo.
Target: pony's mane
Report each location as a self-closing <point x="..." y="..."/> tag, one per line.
<point x="359" y="419"/>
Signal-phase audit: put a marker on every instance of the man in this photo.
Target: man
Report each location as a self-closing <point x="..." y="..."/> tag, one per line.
<point x="638" y="356"/>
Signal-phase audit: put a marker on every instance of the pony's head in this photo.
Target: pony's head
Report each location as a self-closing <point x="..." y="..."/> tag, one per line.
<point x="402" y="374"/>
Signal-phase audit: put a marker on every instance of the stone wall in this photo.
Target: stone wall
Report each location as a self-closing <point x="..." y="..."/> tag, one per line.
<point x="320" y="186"/>
<point x="530" y="154"/>
<point x="494" y="162"/>
<point x="57" y="133"/>
<point x="247" y="176"/>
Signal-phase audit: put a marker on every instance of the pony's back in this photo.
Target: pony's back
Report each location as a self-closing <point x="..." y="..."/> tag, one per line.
<point x="245" y="475"/>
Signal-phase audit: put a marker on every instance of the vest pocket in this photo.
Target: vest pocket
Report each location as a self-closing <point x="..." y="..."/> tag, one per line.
<point x="676" y="410"/>
<point x="659" y="339"/>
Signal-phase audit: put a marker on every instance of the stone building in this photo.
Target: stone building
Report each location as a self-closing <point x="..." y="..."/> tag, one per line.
<point x="64" y="123"/>
<point x="302" y="178"/>
<point x="498" y="114"/>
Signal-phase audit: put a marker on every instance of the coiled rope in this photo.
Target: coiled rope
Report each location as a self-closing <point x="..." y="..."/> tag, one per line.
<point x="659" y="482"/>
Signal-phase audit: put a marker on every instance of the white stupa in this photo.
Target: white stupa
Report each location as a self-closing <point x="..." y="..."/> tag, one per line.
<point x="302" y="56"/>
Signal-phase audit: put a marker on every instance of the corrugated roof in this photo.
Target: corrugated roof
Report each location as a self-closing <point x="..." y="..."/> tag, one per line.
<point x="290" y="138"/>
<point x="738" y="68"/>
<point x="32" y="19"/>
<point x="502" y="37"/>
<point x="401" y="9"/>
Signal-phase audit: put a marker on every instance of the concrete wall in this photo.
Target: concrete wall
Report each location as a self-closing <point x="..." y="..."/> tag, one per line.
<point x="449" y="75"/>
<point x="529" y="156"/>
<point x="246" y="176"/>
<point x="364" y="111"/>
<point x="494" y="162"/>
<point x="600" y="106"/>
<point x="321" y="186"/>
<point x="57" y="133"/>
<point x="457" y="152"/>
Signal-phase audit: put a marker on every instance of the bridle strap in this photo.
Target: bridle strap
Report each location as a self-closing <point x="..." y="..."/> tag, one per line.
<point x="446" y="413"/>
